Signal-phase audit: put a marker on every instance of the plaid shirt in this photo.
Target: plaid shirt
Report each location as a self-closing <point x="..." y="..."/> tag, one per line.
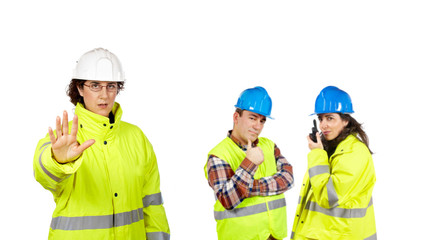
<point x="231" y="188"/>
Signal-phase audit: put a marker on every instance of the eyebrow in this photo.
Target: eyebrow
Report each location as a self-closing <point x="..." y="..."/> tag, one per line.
<point x="258" y="116"/>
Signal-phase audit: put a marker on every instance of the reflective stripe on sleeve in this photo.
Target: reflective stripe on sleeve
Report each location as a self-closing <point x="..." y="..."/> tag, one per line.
<point x="320" y="169"/>
<point x="97" y="222"/>
<point x="339" y="212"/>
<point x="158" y="236"/>
<point x="373" y="237"/>
<point x="56" y="179"/>
<point x="332" y="194"/>
<point x="250" y="210"/>
<point x="153" y="199"/>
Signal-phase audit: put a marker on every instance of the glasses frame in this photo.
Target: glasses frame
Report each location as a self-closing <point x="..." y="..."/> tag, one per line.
<point x="103" y="86"/>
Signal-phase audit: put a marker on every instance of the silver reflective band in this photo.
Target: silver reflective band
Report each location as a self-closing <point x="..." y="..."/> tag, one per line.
<point x="152" y="199"/>
<point x="320" y="169"/>
<point x="56" y="179"/>
<point x="97" y="222"/>
<point x="373" y="237"/>
<point x="250" y="210"/>
<point x="158" y="236"/>
<point x="332" y="194"/>
<point x="339" y="212"/>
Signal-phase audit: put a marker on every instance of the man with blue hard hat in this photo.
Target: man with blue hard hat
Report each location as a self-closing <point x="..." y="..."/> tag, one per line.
<point x="249" y="175"/>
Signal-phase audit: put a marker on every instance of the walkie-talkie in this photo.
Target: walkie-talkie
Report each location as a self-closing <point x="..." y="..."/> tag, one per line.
<point x="314" y="131"/>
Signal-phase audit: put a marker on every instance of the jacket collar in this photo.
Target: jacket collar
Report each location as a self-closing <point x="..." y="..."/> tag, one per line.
<point x="244" y="147"/>
<point x="345" y="145"/>
<point x="96" y="124"/>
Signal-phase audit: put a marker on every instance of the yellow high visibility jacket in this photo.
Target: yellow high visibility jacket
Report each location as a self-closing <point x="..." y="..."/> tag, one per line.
<point x="335" y="201"/>
<point x="255" y="218"/>
<point x="112" y="191"/>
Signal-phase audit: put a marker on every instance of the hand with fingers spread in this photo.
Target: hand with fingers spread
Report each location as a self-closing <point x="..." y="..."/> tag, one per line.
<point x="254" y="154"/>
<point x="65" y="146"/>
<point x="312" y="145"/>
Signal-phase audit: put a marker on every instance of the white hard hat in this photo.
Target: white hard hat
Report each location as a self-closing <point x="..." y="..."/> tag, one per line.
<point x="99" y="65"/>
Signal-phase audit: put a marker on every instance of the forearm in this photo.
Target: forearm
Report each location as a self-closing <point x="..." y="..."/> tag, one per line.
<point x="230" y="187"/>
<point x="278" y="183"/>
<point x="50" y="174"/>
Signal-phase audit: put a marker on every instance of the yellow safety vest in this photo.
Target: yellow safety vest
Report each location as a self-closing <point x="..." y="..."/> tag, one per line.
<point x="255" y="217"/>
<point x="112" y="190"/>
<point x="335" y="201"/>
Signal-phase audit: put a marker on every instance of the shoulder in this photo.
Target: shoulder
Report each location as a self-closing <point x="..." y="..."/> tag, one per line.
<point x="132" y="131"/>
<point x="353" y="148"/>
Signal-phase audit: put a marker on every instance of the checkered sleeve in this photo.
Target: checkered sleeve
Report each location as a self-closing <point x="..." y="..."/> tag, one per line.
<point x="280" y="182"/>
<point x="230" y="187"/>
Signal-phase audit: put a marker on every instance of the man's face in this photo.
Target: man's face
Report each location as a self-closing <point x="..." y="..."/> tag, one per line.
<point x="248" y="126"/>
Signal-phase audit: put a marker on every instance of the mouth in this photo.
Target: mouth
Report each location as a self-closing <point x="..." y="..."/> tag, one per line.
<point x="253" y="132"/>
<point x="102" y="105"/>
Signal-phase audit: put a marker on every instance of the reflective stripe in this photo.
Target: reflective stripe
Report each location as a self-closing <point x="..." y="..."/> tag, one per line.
<point x="250" y="210"/>
<point x="97" y="222"/>
<point x="339" y="212"/>
<point x="56" y="179"/>
<point x="278" y="203"/>
<point x="332" y="194"/>
<point x="318" y="170"/>
<point x="373" y="237"/>
<point x="152" y="199"/>
<point x="158" y="236"/>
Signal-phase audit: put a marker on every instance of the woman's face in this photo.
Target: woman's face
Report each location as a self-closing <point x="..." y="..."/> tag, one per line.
<point x="99" y="101"/>
<point x="331" y="125"/>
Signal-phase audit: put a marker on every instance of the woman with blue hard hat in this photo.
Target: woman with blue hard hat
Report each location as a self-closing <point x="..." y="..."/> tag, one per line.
<point x="335" y="201"/>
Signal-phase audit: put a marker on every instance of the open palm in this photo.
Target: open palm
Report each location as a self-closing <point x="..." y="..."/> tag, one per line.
<point x="65" y="146"/>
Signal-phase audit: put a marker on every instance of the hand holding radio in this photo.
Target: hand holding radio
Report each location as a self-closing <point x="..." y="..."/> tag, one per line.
<point x="314" y="139"/>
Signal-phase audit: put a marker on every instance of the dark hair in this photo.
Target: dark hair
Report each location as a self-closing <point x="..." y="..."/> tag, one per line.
<point x="353" y="127"/>
<point x="239" y="111"/>
<point x="74" y="94"/>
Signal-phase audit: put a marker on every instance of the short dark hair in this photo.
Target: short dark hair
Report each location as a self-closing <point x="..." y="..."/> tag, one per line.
<point x="239" y="111"/>
<point x="74" y="94"/>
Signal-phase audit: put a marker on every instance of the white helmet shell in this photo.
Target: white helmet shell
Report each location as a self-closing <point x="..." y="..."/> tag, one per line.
<point x="99" y="65"/>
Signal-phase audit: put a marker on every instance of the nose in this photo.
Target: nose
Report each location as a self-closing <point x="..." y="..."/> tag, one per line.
<point x="104" y="92"/>
<point x="258" y="125"/>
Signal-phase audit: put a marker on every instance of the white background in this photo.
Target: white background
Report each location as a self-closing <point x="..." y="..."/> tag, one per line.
<point x="186" y="63"/>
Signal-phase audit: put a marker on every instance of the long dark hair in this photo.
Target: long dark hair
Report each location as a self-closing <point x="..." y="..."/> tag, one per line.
<point x="354" y="127"/>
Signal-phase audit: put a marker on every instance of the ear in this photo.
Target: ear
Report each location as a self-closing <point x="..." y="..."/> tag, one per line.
<point x="80" y="90"/>
<point x="345" y="123"/>
<point x="235" y="117"/>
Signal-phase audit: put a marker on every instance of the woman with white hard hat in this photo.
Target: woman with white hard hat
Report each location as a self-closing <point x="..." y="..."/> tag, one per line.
<point x="102" y="171"/>
<point x="335" y="201"/>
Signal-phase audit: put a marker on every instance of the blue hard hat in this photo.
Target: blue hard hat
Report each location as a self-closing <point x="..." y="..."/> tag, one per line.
<point x="333" y="100"/>
<point x="256" y="100"/>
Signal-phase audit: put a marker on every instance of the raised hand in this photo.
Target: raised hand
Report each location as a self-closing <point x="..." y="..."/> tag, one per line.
<point x="65" y="146"/>
<point x="254" y="154"/>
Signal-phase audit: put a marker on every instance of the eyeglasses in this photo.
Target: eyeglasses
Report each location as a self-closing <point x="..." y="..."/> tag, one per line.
<point x="95" y="87"/>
